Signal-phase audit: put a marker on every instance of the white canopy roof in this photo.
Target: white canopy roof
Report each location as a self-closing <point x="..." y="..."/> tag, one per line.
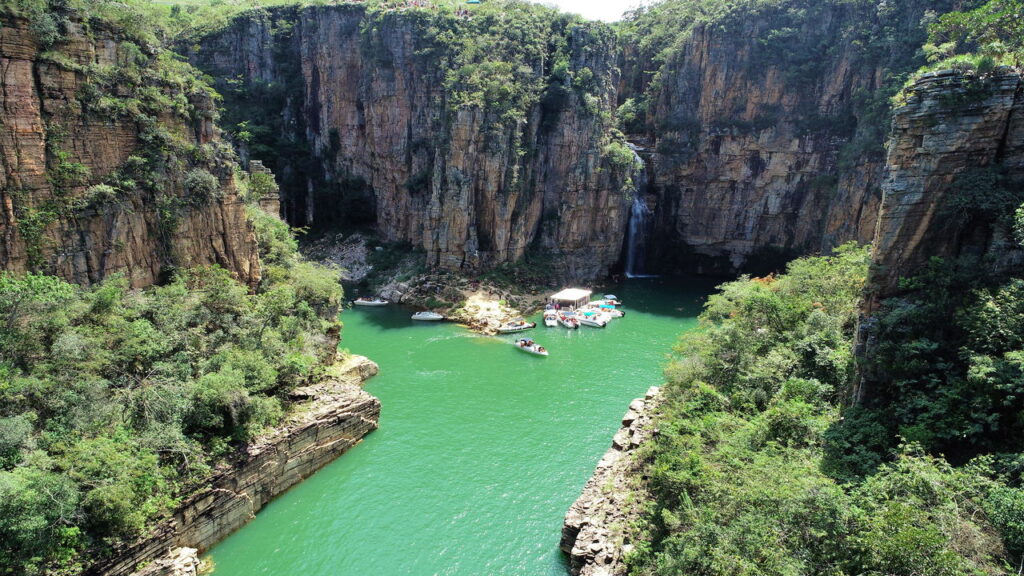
<point x="572" y="294"/>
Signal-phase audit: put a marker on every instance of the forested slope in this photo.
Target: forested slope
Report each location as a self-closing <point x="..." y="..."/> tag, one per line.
<point x="861" y="414"/>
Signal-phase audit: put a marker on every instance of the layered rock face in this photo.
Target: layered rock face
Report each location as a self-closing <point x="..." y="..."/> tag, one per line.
<point x="595" y="531"/>
<point x="768" y="131"/>
<point x="62" y="143"/>
<point x="950" y="127"/>
<point x="338" y="415"/>
<point x="370" y="96"/>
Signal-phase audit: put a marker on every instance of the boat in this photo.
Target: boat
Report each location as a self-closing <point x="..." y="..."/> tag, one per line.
<point x="612" y="299"/>
<point x="528" y="345"/>
<point x="601" y="308"/>
<point x="593" y="319"/>
<point x="569" y="320"/>
<point x="516" y="326"/>
<point x="550" y="318"/>
<point x="375" y="301"/>
<point x="427" y="316"/>
<point x="604" y="304"/>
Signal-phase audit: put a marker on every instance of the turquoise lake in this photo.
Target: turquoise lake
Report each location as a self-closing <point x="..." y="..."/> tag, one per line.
<point x="481" y="448"/>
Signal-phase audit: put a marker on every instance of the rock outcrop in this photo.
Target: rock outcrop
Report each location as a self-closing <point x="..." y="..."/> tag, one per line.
<point x="768" y="127"/>
<point x="336" y="416"/>
<point x="384" y="136"/>
<point x="95" y="184"/>
<point x="951" y="126"/>
<point x="594" y="533"/>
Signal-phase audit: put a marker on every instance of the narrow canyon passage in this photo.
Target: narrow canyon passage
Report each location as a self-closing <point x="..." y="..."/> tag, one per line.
<point x="481" y="448"/>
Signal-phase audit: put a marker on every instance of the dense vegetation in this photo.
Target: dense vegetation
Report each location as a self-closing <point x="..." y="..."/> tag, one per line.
<point x="749" y="472"/>
<point x="113" y="403"/>
<point x="763" y="466"/>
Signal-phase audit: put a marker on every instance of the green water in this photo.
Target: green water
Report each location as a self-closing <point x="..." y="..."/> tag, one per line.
<point x="481" y="448"/>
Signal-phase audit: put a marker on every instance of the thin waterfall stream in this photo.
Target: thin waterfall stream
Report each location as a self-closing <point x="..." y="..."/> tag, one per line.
<point x="641" y="219"/>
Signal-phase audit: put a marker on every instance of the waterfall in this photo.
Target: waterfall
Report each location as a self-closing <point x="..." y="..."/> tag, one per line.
<point x="640" y="220"/>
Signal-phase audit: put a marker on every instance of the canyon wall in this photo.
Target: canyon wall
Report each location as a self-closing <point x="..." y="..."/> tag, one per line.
<point x="93" y="183"/>
<point x="957" y="140"/>
<point x="336" y="417"/>
<point x="768" y="129"/>
<point x="383" y="123"/>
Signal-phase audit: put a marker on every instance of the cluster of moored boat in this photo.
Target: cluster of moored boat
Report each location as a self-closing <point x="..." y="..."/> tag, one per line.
<point x="595" y="314"/>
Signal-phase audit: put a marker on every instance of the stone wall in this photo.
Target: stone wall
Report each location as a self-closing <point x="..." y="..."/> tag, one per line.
<point x="336" y="416"/>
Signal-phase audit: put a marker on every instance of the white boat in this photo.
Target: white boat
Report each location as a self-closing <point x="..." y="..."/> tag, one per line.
<point x="612" y="299"/>
<point x="550" y="318"/>
<point x="569" y="320"/>
<point x="375" y="301"/>
<point x="593" y="319"/>
<point x="528" y="345"/>
<point x="605" y="309"/>
<point x="427" y="316"/>
<point x="516" y="326"/>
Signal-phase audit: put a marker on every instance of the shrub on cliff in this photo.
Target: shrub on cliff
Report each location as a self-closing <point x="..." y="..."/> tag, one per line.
<point x="737" y="471"/>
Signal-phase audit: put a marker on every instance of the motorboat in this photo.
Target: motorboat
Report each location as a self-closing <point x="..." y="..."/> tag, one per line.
<point x="365" y="301"/>
<point x="516" y="326"/>
<point x="550" y="318"/>
<point x="592" y="319"/>
<point x="612" y="299"/>
<point x="601" y="308"/>
<point x="569" y="320"/>
<point x="528" y="345"/>
<point x="427" y="316"/>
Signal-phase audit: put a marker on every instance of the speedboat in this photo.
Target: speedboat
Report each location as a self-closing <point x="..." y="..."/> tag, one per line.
<point x="612" y="299"/>
<point x="593" y="319"/>
<point x="528" y="345"/>
<point x="550" y="318"/>
<point x="375" y="301"/>
<point x="569" y="320"/>
<point x="600" y="307"/>
<point x="516" y="326"/>
<point x="427" y="316"/>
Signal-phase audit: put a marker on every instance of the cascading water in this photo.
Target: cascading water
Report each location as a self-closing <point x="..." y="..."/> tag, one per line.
<point x="639" y="225"/>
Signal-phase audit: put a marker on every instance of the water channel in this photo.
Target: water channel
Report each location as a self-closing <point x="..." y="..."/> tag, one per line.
<point x="481" y="447"/>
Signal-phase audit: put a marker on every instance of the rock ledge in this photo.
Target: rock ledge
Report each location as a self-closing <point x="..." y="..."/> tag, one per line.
<point x="594" y="533"/>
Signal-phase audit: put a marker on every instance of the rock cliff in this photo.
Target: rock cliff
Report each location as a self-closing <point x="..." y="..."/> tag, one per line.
<point x="399" y="118"/>
<point x="336" y="417"/>
<point x="111" y="161"/>
<point x="954" y="139"/>
<point x="768" y="126"/>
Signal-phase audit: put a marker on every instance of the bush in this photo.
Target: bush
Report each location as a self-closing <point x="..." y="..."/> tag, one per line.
<point x="202" y="186"/>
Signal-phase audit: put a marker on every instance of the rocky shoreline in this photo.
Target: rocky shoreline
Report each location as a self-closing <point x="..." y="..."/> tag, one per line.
<point x="334" y="415"/>
<point x="595" y="533"/>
